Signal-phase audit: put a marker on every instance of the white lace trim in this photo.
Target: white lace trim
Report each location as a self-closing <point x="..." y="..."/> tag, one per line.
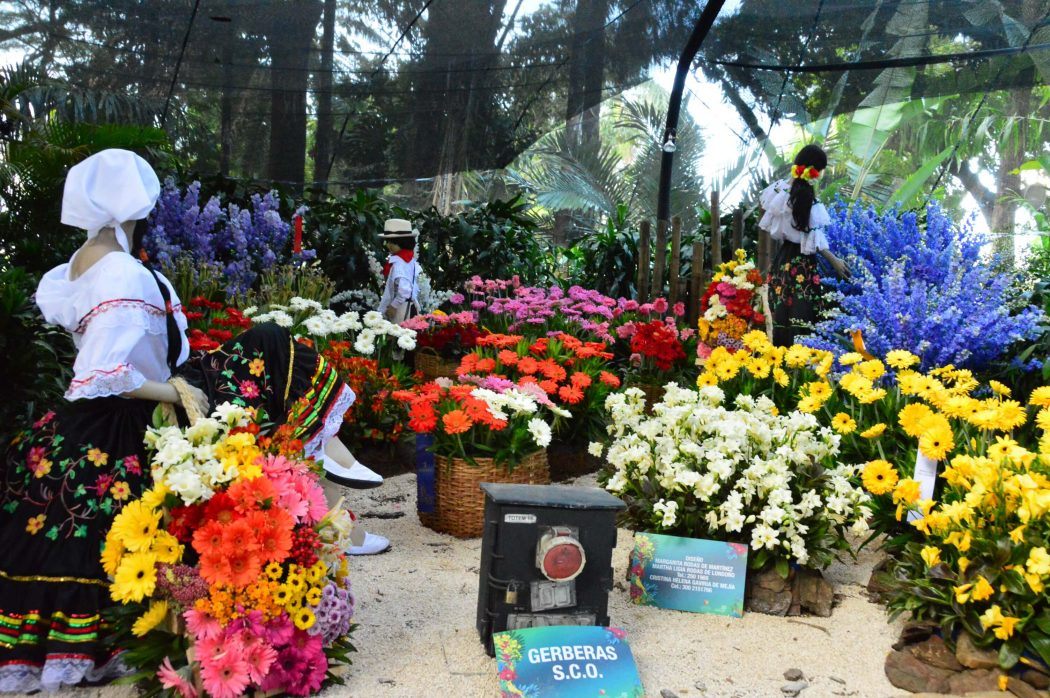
<point x="130" y="311"/>
<point x="102" y="383"/>
<point x="58" y="672"/>
<point x="332" y="421"/>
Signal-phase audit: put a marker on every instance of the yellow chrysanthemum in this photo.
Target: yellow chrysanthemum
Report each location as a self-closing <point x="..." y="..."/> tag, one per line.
<point x="158" y="611"/>
<point x="874" y="431"/>
<point x="850" y="358"/>
<point x="900" y="359"/>
<point x="931" y="555"/>
<point x="937" y="439"/>
<point x="879" y="477"/>
<point x="1040" y="396"/>
<point x="912" y="417"/>
<point x="843" y="423"/>
<point x="135" y="579"/>
<point x="136" y="525"/>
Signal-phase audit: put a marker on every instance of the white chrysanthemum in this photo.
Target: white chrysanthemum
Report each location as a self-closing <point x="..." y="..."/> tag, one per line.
<point x="540" y="431"/>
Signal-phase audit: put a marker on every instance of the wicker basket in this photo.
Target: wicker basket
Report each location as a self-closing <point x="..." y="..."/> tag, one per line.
<point x="460" y="501"/>
<point x="432" y="365"/>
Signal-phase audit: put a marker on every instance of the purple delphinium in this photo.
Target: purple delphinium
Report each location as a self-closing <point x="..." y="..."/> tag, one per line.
<point x="924" y="287"/>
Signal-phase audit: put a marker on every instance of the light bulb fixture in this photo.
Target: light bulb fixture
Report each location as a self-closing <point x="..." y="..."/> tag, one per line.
<point x="669" y="144"/>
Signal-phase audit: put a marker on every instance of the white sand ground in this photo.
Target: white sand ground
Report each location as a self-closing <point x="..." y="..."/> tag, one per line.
<point x="416" y="636"/>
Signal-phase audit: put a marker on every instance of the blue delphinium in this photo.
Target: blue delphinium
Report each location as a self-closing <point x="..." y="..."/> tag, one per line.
<point x="242" y="243"/>
<point x="920" y="286"/>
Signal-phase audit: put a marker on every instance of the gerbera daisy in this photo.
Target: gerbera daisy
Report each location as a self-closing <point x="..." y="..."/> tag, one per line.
<point x="937" y="439"/>
<point x="208" y="538"/>
<point x="874" y="431"/>
<point x="456" y="422"/>
<point x="239" y="536"/>
<point x="222" y="508"/>
<point x="274" y="538"/>
<point x="570" y="394"/>
<point x="225" y="676"/>
<point x="136" y="524"/>
<point x="136" y="578"/>
<point x="843" y="423"/>
<point x="581" y="380"/>
<point x="911" y="418"/>
<point x="215" y="567"/>
<point x="879" y="477"/>
<point x="244" y="567"/>
<point x="167" y="548"/>
<point x="158" y="611"/>
<point x="609" y="379"/>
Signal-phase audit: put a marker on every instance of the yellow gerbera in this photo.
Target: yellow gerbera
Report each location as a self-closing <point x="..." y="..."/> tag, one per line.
<point x="167" y="548"/>
<point x="782" y="379"/>
<point x="1042" y="420"/>
<point x="821" y="390"/>
<point x="809" y="404"/>
<point x="843" y="423"/>
<point x="899" y="359"/>
<point x="1040" y="396"/>
<point x="797" y="356"/>
<point x="706" y="379"/>
<point x="158" y="611"/>
<point x="912" y="416"/>
<point x="850" y="358"/>
<point x="869" y="396"/>
<point x="872" y="369"/>
<point x="136" y="525"/>
<point x="112" y="552"/>
<point x="937" y="440"/>
<point x="136" y="578"/>
<point x="874" y="431"/>
<point x="879" y="477"/>
<point x="999" y="389"/>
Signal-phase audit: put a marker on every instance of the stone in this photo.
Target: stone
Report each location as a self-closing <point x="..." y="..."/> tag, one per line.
<point x="1022" y="689"/>
<point x="769" y="593"/>
<point x="838" y="680"/>
<point x="793" y="674"/>
<point x="906" y="671"/>
<point x="934" y="652"/>
<point x="974" y="657"/>
<point x="973" y="680"/>
<point x="1036" y="678"/>
<point x="877" y="586"/>
<point x="914" y="632"/>
<point x="700" y="686"/>
<point x="815" y="593"/>
<point x="794" y="688"/>
<point x="667" y="693"/>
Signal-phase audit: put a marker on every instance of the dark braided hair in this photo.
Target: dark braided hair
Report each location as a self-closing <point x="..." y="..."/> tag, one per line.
<point x="802" y="195"/>
<point x="138" y="240"/>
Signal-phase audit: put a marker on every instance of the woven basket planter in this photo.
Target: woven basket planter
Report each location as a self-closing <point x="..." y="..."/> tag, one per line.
<point x="432" y="365"/>
<point x="460" y="501"/>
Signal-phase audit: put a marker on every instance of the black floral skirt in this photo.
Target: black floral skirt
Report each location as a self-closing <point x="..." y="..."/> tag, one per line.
<point x="66" y="478"/>
<point x="796" y="295"/>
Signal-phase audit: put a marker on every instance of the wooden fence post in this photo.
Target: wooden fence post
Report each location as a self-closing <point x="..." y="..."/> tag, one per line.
<point x="696" y="281"/>
<point x="676" y="259"/>
<point x="716" y="232"/>
<point x="763" y="251"/>
<point x="738" y="229"/>
<point x="643" y="262"/>
<point x="660" y="259"/>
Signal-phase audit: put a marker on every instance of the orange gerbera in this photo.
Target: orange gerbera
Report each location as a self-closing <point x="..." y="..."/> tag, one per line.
<point x="460" y="392"/>
<point x="549" y="386"/>
<point x="244" y="567"/>
<point x="486" y="365"/>
<point x="467" y="364"/>
<point x="581" y="380"/>
<point x="528" y="365"/>
<point x="215" y="567"/>
<point x="456" y="422"/>
<point x="528" y="379"/>
<point x="539" y="346"/>
<point x="239" y="537"/>
<point x="208" y="538"/>
<point x="570" y="394"/>
<point x="252" y="494"/>
<point x="500" y="341"/>
<point x="609" y="379"/>
<point x="508" y="357"/>
<point x="551" y="369"/>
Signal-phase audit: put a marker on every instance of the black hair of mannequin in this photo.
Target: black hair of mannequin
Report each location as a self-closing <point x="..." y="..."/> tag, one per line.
<point x="802" y="195"/>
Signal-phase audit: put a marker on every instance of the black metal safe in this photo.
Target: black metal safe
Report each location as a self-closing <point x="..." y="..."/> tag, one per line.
<point x="546" y="557"/>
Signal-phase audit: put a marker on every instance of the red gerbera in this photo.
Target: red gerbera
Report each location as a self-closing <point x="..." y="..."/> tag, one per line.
<point x="239" y="536"/>
<point x="222" y="508"/>
<point x="208" y="538"/>
<point x="570" y="394"/>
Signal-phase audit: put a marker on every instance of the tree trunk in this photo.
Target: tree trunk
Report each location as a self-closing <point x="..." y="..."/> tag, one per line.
<point x="226" y="111"/>
<point x="323" y="149"/>
<point x="593" y="70"/>
<point x="1007" y="180"/>
<point x="291" y="38"/>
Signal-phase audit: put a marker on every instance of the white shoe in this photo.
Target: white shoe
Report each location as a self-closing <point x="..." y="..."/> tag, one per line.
<point x="357" y="476"/>
<point x="372" y="545"/>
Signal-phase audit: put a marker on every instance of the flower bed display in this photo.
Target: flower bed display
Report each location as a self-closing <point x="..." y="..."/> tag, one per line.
<point x="376" y="417"/>
<point x="731" y="306"/>
<point x="479" y="432"/>
<point x="442" y="340"/>
<point x="236" y="543"/>
<point x="737" y="472"/>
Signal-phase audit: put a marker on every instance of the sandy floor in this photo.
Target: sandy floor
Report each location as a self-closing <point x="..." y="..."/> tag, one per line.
<point x="416" y="637"/>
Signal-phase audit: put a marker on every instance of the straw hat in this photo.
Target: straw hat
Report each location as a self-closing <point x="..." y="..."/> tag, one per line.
<point x="398" y="228"/>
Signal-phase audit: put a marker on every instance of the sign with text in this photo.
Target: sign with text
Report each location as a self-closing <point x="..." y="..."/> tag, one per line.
<point x="566" y="661"/>
<point x="688" y="574"/>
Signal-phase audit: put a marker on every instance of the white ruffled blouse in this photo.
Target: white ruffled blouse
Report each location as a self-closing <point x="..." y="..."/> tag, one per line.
<point x="115" y="313"/>
<point x="778" y="223"/>
<point x="402" y="285"/>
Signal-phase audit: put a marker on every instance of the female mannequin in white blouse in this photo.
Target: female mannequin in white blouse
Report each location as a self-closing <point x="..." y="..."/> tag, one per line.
<point x="795" y="219"/>
<point x="72" y="472"/>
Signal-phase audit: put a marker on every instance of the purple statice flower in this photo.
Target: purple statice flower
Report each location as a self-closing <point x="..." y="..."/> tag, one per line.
<point x="334" y="613"/>
<point x="923" y="286"/>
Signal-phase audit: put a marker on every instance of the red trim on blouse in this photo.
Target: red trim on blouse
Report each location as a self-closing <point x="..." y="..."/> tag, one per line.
<point x="407" y="255"/>
<point x="121" y="303"/>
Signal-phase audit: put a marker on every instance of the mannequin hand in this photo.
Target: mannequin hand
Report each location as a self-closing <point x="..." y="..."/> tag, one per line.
<point x="840" y="268"/>
<point x="200" y="400"/>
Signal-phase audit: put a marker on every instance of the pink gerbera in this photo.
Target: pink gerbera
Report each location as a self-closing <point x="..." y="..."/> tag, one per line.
<point x="225" y="674"/>
<point x="201" y="625"/>
<point x="172" y="679"/>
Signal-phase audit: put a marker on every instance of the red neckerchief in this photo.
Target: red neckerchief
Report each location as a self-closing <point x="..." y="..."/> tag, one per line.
<point x="406" y="255"/>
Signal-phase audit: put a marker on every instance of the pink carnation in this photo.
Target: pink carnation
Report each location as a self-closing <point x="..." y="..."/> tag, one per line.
<point x="660" y="305"/>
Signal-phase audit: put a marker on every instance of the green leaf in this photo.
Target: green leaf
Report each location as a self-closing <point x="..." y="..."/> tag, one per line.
<point x="783" y="568"/>
<point x="1041" y="644"/>
<point x="1010" y="652"/>
<point x="913" y="185"/>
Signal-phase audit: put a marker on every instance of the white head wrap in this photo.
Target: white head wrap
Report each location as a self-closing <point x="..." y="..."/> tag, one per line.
<point x="107" y="189"/>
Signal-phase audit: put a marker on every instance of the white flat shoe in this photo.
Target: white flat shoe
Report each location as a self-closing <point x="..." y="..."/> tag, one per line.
<point x="372" y="545"/>
<point x="358" y="476"/>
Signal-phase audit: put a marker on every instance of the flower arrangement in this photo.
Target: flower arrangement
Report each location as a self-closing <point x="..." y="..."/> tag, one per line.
<point x="236" y="543"/>
<point x="739" y="472"/>
<point x="923" y="287"/>
<point x="503" y="422"/>
<point x="573" y="373"/>
<point x="731" y="306"/>
<point x="981" y="565"/>
<point x="376" y="416"/>
<point x="449" y="336"/>
<point x="370" y="335"/>
<point x="212" y="323"/>
<point x="657" y="353"/>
